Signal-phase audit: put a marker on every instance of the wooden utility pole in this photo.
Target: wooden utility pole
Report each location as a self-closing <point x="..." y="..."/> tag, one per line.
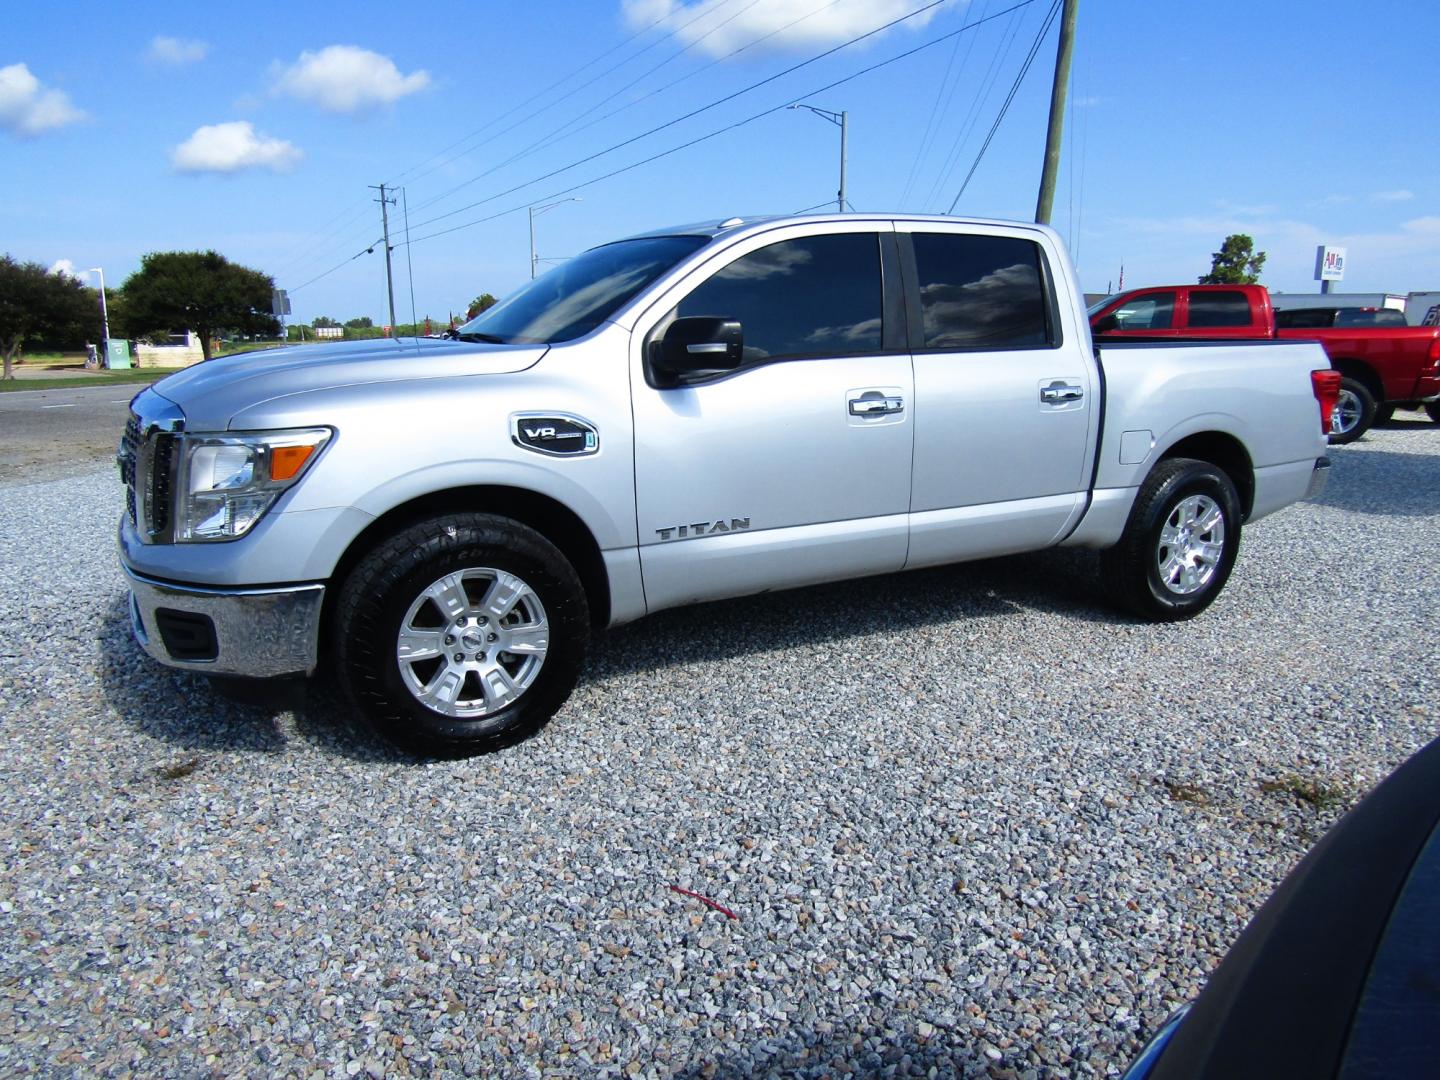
<point x="385" y="225"/>
<point x="1058" y="92"/>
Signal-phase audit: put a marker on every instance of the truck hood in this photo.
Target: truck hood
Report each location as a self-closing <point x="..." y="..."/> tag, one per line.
<point x="212" y="392"/>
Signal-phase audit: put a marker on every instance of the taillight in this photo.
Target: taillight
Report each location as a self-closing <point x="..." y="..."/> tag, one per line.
<point x="1326" y="384"/>
<point x="1435" y="351"/>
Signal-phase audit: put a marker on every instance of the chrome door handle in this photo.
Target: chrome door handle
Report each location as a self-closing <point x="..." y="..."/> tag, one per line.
<point x="876" y="406"/>
<point x="1057" y="393"/>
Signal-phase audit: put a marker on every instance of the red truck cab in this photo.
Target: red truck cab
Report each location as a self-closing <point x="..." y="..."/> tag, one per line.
<point x="1383" y="367"/>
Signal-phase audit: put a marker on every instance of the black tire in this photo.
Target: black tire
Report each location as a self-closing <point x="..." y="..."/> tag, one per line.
<point x="1132" y="568"/>
<point x="1433" y="408"/>
<point x="391" y="588"/>
<point x="1383" y="415"/>
<point x="1353" y="417"/>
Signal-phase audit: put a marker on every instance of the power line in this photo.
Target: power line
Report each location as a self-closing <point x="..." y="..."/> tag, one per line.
<point x="1014" y="88"/>
<point x="694" y="112"/>
<point x="564" y="97"/>
<point x="718" y="131"/>
<point x="931" y="128"/>
<point x="972" y="114"/>
<point x="345" y="262"/>
<point x="697" y="71"/>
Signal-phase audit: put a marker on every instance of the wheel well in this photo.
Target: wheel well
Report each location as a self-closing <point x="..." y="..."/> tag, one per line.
<point x="1226" y="453"/>
<point x="551" y="519"/>
<point x="1362" y="373"/>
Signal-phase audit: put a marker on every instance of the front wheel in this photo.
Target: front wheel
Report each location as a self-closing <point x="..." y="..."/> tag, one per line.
<point x="1433" y="408"/>
<point x="1179" y="544"/>
<point x="461" y="634"/>
<point x="1354" y="412"/>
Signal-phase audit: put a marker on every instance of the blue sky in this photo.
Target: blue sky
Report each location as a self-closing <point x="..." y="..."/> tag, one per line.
<point x="255" y="129"/>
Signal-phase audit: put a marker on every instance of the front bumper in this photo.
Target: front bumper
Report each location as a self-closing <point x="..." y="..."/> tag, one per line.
<point x="259" y="633"/>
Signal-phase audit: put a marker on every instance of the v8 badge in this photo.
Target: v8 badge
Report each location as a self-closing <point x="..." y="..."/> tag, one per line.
<point x="557" y="434"/>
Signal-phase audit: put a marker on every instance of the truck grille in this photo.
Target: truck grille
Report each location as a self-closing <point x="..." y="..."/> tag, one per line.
<point x="146" y="458"/>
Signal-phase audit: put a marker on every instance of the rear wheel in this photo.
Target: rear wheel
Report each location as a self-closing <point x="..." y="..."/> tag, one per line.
<point x="1179" y="544"/>
<point x="1354" y="412"/>
<point x="461" y="634"/>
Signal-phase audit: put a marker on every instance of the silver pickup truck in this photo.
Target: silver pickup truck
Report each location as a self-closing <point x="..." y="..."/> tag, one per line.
<point x="690" y="414"/>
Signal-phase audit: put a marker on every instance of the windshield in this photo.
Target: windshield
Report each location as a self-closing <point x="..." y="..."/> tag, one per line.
<point x="576" y="297"/>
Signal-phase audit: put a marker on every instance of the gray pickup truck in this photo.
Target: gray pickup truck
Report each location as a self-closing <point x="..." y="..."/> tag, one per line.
<point x="695" y="413"/>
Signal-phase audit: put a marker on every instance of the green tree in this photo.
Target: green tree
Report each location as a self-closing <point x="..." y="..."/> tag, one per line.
<point x="361" y="322"/>
<point x="1236" y="263"/>
<point x="36" y="304"/>
<point x="479" y="304"/>
<point x="201" y="291"/>
<point x="323" y="320"/>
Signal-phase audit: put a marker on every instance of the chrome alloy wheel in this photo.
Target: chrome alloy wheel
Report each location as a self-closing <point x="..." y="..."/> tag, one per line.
<point x="472" y="642"/>
<point x="1192" y="543"/>
<point x="1348" y="410"/>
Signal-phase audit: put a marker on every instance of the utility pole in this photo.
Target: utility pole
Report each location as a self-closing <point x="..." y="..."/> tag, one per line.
<point x="1058" y="92"/>
<point x="385" y="224"/>
<point x="842" y="121"/>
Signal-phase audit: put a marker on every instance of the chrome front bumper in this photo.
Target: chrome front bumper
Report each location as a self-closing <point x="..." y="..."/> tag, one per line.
<point x="256" y="632"/>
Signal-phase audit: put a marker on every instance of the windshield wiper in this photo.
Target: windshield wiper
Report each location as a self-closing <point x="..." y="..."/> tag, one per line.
<point x="489" y="339"/>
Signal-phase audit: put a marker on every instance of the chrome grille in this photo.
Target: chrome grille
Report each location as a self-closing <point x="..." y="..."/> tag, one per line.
<point x="129" y="450"/>
<point x="147" y="461"/>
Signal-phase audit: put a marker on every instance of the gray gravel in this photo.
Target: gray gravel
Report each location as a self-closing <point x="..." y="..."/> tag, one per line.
<point x="970" y="822"/>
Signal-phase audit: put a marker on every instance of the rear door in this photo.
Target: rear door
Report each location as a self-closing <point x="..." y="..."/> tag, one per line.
<point x="1006" y="397"/>
<point x="795" y="468"/>
<point x="1222" y="313"/>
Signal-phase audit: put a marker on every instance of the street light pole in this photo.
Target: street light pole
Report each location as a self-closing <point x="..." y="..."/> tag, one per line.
<point x="104" y="317"/>
<point x="539" y="209"/>
<point x="842" y="121"/>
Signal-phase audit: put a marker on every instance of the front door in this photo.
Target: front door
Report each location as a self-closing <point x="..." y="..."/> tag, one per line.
<point x="795" y="468"/>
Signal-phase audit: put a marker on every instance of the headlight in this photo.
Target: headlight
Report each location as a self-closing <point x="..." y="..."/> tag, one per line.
<point x="227" y="482"/>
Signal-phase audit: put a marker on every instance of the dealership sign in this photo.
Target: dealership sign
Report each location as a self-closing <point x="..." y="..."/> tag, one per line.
<point x="1329" y="263"/>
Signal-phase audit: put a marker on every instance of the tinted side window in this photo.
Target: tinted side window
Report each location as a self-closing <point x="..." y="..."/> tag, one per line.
<point x="1153" y="311"/>
<point x="1368" y="317"/>
<point x="1219" y="309"/>
<point x="981" y="292"/>
<point x="1301" y="317"/>
<point x="819" y="295"/>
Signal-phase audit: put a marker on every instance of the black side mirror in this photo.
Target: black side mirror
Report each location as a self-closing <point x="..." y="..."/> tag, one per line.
<point x="699" y="343"/>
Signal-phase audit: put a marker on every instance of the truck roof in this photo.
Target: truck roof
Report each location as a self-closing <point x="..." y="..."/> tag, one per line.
<point x="745" y="224"/>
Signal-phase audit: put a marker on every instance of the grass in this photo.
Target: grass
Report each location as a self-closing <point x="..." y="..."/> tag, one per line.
<point x="251" y="346"/>
<point x="1319" y="795"/>
<point x="87" y="378"/>
<point x="1191" y="793"/>
<point x="178" y="770"/>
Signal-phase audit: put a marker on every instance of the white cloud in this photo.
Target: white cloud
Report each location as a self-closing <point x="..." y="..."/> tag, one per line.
<point x="228" y="148"/>
<point x="1401" y="195"/>
<point x="815" y="24"/>
<point x="347" y="79"/>
<point x="177" y="51"/>
<point x="27" y="108"/>
<point x="66" y="267"/>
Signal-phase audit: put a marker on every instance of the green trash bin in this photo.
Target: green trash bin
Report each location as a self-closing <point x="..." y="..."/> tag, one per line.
<point x="117" y="355"/>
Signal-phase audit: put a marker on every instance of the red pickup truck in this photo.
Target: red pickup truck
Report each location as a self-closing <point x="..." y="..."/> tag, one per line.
<point x="1382" y="367"/>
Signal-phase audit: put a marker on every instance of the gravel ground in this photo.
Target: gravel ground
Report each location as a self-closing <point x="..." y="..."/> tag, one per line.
<point x="969" y="822"/>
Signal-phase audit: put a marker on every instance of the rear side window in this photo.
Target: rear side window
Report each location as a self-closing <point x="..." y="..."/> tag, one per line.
<point x="1153" y="311"/>
<point x="815" y="296"/>
<point x="981" y="292"/>
<point x="1218" y="309"/>
<point x="1308" y="318"/>
<point x="1369" y="317"/>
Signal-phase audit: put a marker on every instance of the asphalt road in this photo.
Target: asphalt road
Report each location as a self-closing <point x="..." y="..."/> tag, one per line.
<point x="46" y="433"/>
